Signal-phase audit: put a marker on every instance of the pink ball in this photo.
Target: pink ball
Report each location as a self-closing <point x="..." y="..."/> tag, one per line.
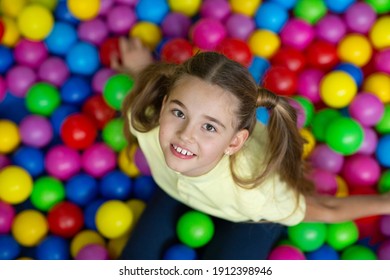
<point x="331" y="28"/>
<point x="54" y="70"/>
<point x="94" y="31"/>
<point x="361" y="171"/>
<point x="3" y="89"/>
<point x="324" y="181"/>
<point x="216" y="9"/>
<point x="19" y="79"/>
<point x="207" y="33"/>
<point x="384" y="225"/>
<point x="4" y="161"/>
<point x="98" y="159"/>
<point x="176" y="25"/>
<point x="297" y="33"/>
<point x="141" y="163"/>
<point x="131" y="3"/>
<point x="92" y="252"/>
<point x="382" y="60"/>
<point x="370" y="141"/>
<point x="360" y="17"/>
<point x="100" y="78"/>
<point x="105" y="6"/>
<point x="383" y="251"/>
<point x="30" y="53"/>
<point x="309" y="84"/>
<point x="240" y="26"/>
<point x="120" y="19"/>
<point x="7" y="214"/>
<point x="35" y="131"/>
<point x="367" y="109"/>
<point x="286" y="252"/>
<point x="301" y="119"/>
<point x="62" y="162"/>
<point x="324" y="158"/>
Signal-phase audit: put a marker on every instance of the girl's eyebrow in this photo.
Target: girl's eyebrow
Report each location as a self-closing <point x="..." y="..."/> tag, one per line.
<point x="206" y="116"/>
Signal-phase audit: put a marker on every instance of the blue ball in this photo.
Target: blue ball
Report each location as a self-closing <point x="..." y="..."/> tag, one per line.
<point x="9" y="248"/>
<point x="90" y="213"/>
<point x="83" y="58"/>
<point x="115" y="185"/>
<point x="152" y="10"/>
<point x="60" y="114"/>
<point x="6" y="59"/>
<point x="13" y="108"/>
<point x="81" y="189"/>
<point x="62" y="37"/>
<point x="31" y="159"/>
<point x="338" y="6"/>
<point x="262" y="115"/>
<point x="258" y="68"/>
<point x="271" y="16"/>
<point x="351" y="69"/>
<point x="53" y="248"/>
<point x="62" y="13"/>
<point x="144" y="187"/>
<point x="325" y="252"/>
<point x="180" y="252"/>
<point x="383" y="151"/>
<point x="75" y="90"/>
<point x="287" y="4"/>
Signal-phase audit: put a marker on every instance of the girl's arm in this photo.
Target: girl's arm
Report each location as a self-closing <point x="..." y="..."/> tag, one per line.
<point x="329" y="209"/>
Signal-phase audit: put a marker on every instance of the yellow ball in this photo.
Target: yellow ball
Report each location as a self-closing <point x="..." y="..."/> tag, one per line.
<point x="187" y="7"/>
<point x="355" y="49"/>
<point x="126" y="163"/>
<point x="83" y="238"/>
<point x="11" y="32"/>
<point x="29" y="227"/>
<point x="113" y="218"/>
<point x="15" y="184"/>
<point x="9" y="136"/>
<point x="246" y="7"/>
<point x="342" y="187"/>
<point x="12" y="7"/>
<point x="310" y="142"/>
<point x="35" y="22"/>
<point x="264" y="43"/>
<point x="380" y="33"/>
<point x="378" y="84"/>
<point x="115" y="246"/>
<point x="149" y="33"/>
<point x="337" y="89"/>
<point x="50" y="4"/>
<point x="84" y="9"/>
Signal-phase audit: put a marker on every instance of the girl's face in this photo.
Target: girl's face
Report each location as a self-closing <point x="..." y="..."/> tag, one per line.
<point x="197" y="126"/>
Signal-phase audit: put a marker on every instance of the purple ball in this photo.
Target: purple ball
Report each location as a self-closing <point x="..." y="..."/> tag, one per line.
<point x="360" y="17"/>
<point x="331" y="28"/>
<point x="100" y="78"/>
<point x="301" y="118"/>
<point x="3" y="89"/>
<point x="4" y="161"/>
<point x="131" y="3"/>
<point x="30" y="53"/>
<point x="286" y="252"/>
<point x="297" y="33"/>
<point x="98" y="159"/>
<point x="120" y="19"/>
<point x="240" y="26"/>
<point x="325" y="158"/>
<point x="54" y="70"/>
<point x="383" y="251"/>
<point x="370" y="141"/>
<point x="62" y="162"/>
<point x="93" y="31"/>
<point x="141" y="163"/>
<point x="309" y="84"/>
<point x="207" y="33"/>
<point x="176" y="25"/>
<point x="105" y="6"/>
<point x="324" y="181"/>
<point x="7" y="214"/>
<point x="367" y="109"/>
<point x="382" y="61"/>
<point x="384" y="225"/>
<point x="35" y="131"/>
<point x="216" y="9"/>
<point x="19" y="79"/>
<point x="92" y="252"/>
<point x="361" y="171"/>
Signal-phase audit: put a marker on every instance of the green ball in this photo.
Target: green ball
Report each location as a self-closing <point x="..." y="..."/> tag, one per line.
<point x="310" y="11"/>
<point x="307" y="236"/>
<point x="384" y="182"/>
<point x="342" y="235"/>
<point x="308" y="108"/>
<point x="344" y="135"/>
<point x="383" y="126"/>
<point x="42" y="99"/>
<point x="47" y="192"/>
<point x="113" y="135"/>
<point x="358" y="252"/>
<point x="195" y="229"/>
<point x="321" y="120"/>
<point x="116" y="89"/>
<point x="380" y="6"/>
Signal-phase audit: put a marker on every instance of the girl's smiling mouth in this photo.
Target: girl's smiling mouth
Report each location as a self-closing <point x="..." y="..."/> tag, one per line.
<point x="181" y="152"/>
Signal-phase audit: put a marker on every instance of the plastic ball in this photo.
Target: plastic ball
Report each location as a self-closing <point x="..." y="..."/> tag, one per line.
<point x="84" y="238"/>
<point x="176" y="50"/>
<point x="98" y="159"/>
<point x="378" y="84"/>
<point x="30" y="53"/>
<point x="176" y="25"/>
<point x="3" y="89"/>
<point x="113" y="136"/>
<point x="246" y="7"/>
<point x="310" y="10"/>
<point x="325" y="252"/>
<point x="307" y="236"/>
<point x="382" y="151"/>
<point x="337" y="6"/>
<point x="108" y="49"/>
<point x="62" y="162"/>
<point x="351" y="69"/>
<point x="258" y="68"/>
<point x="286" y="252"/>
<point x="93" y="31"/>
<point x="6" y="59"/>
<point x="358" y="252"/>
<point x="280" y="80"/>
<point x="126" y="163"/>
<point x="7" y="215"/>
<point x="81" y="189"/>
<point x="47" y="192"/>
<point x="380" y="6"/>
<point x="308" y="84"/>
<point x="237" y="50"/>
<point x="324" y="181"/>
<point x="61" y="38"/>
<point x="326" y="159"/>
<point x="92" y="252"/>
<point x="322" y="55"/>
<point x="331" y="28"/>
<point x="144" y="187"/>
<point x="54" y="71"/>
<point x="342" y="187"/>
<point x="342" y="235"/>
<point x="291" y="58"/>
<point x="239" y="26"/>
<point x="75" y="90"/>
<point x="16" y="184"/>
<point x="148" y="32"/>
<point x="98" y="110"/>
<point x="115" y="185"/>
<point x="137" y="207"/>
<point x="65" y="219"/>
<point x="370" y="142"/>
<point x="116" y="89"/>
<point x="115" y="246"/>
<point x="99" y="79"/>
<point x="383" y="126"/>
<point x="83" y="58"/>
<point x="297" y="33"/>
<point x="218" y="9"/>
<point x="90" y="213"/>
<point x="12" y="8"/>
<point x="49" y="4"/>
<point x="62" y="13"/>
<point x="188" y="7"/>
<point x="152" y="11"/>
<point x="384" y="184"/>
<point x="9" y="136"/>
<point x="379" y="33"/>
<point x="4" y="161"/>
<point x="78" y="131"/>
<point x="271" y="16"/>
<point x="180" y="252"/>
<point x="59" y="115"/>
<point x="383" y="251"/>
<point x="264" y="43"/>
<point x="337" y="89"/>
<point x="113" y="218"/>
<point x="367" y="109"/>
<point x="141" y="162"/>
<point x="29" y="228"/>
<point x="195" y="229"/>
<point x="121" y="18"/>
<point x="308" y="108"/>
<point x="84" y="10"/>
<point x="35" y="22"/>
<point x="355" y="48"/>
<point x="35" y="131"/>
<point x="11" y="34"/>
<point x="9" y="247"/>
<point x="381" y="61"/>
<point x="208" y="33"/>
<point x="42" y="99"/>
<point x="53" y="248"/>
<point x="360" y="17"/>
<point x="19" y="79"/>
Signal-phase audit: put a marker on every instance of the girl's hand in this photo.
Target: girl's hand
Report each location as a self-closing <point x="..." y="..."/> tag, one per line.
<point x="134" y="56"/>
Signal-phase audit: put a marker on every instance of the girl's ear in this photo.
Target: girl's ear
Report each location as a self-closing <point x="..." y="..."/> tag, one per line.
<point x="237" y="141"/>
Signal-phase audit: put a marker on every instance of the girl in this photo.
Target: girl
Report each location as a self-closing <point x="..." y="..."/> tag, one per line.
<point x="196" y="125"/>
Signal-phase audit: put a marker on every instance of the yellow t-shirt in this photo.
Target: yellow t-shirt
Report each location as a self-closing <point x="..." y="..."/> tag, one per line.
<point x="216" y="193"/>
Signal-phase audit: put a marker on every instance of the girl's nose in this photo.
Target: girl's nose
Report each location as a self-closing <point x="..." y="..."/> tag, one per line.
<point x="187" y="133"/>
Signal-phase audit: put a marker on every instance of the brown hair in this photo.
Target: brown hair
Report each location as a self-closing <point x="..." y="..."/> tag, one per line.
<point x="284" y="154"/>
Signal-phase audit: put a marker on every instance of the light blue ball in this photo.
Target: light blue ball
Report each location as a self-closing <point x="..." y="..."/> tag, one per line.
<point x="383" y="151"/>
<point x="83" y="58"/>
<point x="338" y="6"/>
<point x="152" y="10"/>
<point x="258" y="68"/>
<point x="271" y="16"/>
<point x="62" y="37"/>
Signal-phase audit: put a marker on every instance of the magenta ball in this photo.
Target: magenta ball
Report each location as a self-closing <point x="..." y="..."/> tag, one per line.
<point x="367" y="109"/>
<point x="93" y="31"/>
<point x="30" y="53"/>
<point x="35" y="131"/>
<point x="384" y="225"/>
<point x="325" y="158"/>
<point x="100" y="78"/>
<point x="309" y="84"/>
<point x="120" y="19"/>
<point x="141" y="163"/>
<point x="361" y="171"/>
<point x="331" y="28"/>
<point x="360" y="17"/>
<point x="324" y="181"/>
<point x="240" y="26"/>
<point x="301" y="119"/>
<point x="54" y="70"/>
<point x="370" y="142"/>
<point x="297" y="33"/>
<point x="207" y="33"/>
<point x="286" y="252"/>
<point x="4" y="161"/>
<point x="62" y="162"/>
<point x="3" y="89"/>
<point x="383" y="251"/>
<point x="98" y="159"/>
<point x="92" y="252"/>
<point x="19" y="79"/>
<point x="176" y="25"/>
<point x="382" y="61"/>
<point x="217" y="9"/>
<point x="105" y="6"/>
<point x="7" y="214"/>
<point x="131" y="3"/>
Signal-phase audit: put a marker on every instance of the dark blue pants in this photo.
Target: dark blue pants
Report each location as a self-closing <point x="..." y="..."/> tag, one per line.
<point x="155" y="232"/>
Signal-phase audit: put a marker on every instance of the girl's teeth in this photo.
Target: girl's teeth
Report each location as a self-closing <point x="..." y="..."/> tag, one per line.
<point x="182" y="151"/>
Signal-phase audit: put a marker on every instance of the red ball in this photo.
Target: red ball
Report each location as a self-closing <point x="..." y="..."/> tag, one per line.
<point x="109" y="48"/>
<point x="65" y="219"/>
<point x="236" y="49"/>
<point x="291" y="58"/>
<point x="2" y="29"/>
<point x="322" y="55"/>
<point x="280" y="80"/>
<point x="177" y="50"/>
<point x="78" y="131"/>
<point x="98" y="110"/>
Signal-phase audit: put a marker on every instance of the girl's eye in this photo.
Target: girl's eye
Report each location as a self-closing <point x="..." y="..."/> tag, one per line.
<point x="209" y="127"/>
<point x="178" y="113"/>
